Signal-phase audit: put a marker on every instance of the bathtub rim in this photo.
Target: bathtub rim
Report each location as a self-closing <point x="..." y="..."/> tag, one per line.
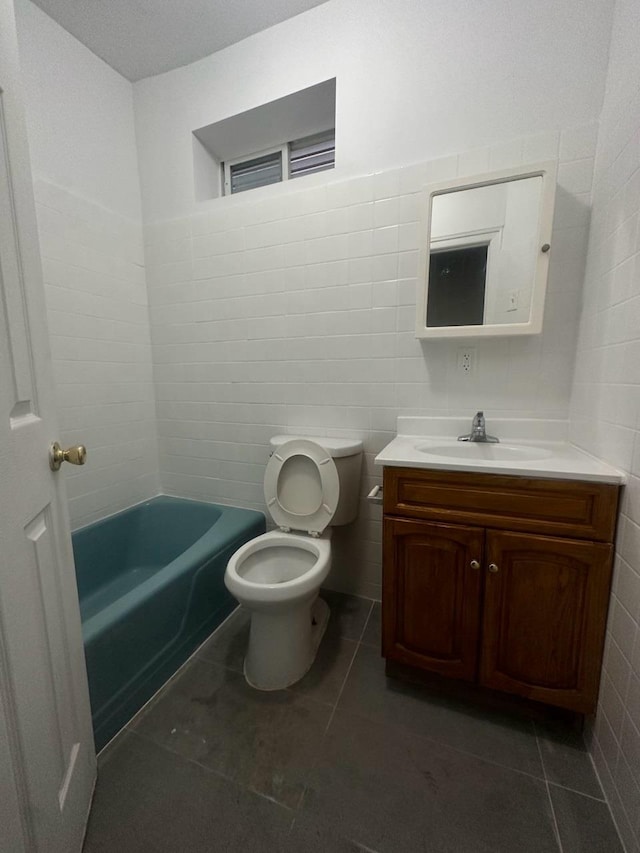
<point x="207" y="547"/>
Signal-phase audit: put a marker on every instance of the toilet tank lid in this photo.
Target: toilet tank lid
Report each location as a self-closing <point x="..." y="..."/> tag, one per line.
<point x="335" y="447"/>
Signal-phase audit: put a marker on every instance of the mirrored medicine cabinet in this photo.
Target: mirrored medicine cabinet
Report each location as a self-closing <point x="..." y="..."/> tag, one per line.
<point x="485" y="246"/>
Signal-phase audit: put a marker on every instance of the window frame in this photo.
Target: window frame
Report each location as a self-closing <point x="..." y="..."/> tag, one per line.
<point x="285" y="153"/>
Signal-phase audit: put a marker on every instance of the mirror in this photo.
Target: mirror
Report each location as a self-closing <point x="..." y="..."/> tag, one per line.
<point x="485" y="256"/>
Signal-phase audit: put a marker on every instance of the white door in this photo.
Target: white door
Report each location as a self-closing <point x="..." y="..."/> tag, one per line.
<point x="47" y="758"/>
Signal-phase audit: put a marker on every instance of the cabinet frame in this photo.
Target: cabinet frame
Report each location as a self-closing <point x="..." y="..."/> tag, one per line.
<point x="568" y="508"/>
<point x="484" y="510"/>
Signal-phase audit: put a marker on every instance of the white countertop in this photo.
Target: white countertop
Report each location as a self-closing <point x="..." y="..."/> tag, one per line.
<point x="561" y="460"/>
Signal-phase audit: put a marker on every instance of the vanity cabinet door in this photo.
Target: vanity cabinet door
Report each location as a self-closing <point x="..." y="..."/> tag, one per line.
<point x="544" y="617"/>
<point x="431" y="596"/>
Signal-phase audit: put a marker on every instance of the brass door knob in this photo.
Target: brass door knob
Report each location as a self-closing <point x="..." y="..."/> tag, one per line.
<point x="474" y="564"/>
<point x="493" y="568"/>
<point x="75" y="455"/>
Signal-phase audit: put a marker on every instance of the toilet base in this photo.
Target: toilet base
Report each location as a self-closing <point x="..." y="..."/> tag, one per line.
<point x="283" y="645"/>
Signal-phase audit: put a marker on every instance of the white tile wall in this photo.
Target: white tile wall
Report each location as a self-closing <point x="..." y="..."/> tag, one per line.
<point x="93" y="264"/>
<point x="605" y="408"/>
<point x="292" y="309"/>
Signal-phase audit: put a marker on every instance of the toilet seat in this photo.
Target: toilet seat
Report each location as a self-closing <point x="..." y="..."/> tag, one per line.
<point x="289" y="510"/>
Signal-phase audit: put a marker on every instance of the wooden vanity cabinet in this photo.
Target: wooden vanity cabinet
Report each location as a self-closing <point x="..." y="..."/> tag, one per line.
<point x="503" y="581"/>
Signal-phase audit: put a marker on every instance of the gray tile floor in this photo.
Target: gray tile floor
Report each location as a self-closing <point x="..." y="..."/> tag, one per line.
<point x="346" y="760"/>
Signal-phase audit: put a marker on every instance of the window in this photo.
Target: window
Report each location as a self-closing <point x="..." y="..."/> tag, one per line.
<point x="282" y="139"/>
<point x="249" y="174"/>
<point x="312" y="154"/>
<point x="296" y="158"/>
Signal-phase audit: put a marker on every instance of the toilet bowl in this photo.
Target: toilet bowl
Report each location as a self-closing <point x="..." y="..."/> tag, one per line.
<point x="277" y="576"/>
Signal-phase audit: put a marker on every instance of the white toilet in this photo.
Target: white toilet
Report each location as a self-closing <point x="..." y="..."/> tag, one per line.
<point x="309" y="484"/>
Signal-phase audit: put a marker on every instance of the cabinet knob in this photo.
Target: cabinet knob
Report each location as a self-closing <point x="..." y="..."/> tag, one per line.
<point x="493" y="568"/>
<point x="474" y="564"/>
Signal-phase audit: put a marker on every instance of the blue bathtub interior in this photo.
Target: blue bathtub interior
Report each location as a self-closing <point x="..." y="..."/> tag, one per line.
<point x="151" y="588"/>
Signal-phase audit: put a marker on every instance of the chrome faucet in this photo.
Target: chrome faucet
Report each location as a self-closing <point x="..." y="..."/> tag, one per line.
<point x="478" y="432"/>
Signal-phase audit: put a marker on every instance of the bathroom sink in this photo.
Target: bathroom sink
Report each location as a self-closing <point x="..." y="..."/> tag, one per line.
<point x="530" y="449"/>
<point x="481" y="451"/>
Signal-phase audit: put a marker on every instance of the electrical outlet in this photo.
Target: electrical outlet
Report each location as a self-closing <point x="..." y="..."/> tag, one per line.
<point x="466" y="359"/>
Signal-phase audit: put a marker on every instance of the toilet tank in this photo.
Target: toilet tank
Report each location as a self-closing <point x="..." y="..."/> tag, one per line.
<point x="347" y="456"/>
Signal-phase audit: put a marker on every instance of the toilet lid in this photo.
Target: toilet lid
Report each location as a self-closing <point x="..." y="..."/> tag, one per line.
<point x="301" y="486"/>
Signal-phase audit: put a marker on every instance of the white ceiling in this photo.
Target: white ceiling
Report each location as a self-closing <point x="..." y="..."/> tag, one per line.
<point x="140" y="38"/>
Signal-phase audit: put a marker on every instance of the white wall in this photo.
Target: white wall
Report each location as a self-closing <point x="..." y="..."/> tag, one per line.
<point x="84" y="160"/>
<point x="81" y="133"/>
<point x="416" y="80"/>
<point x="605" y="406"/>
<point x="293" y="311"/>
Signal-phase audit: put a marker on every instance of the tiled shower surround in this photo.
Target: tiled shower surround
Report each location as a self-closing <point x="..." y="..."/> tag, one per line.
<point x="605" y="408"/>
<point x="291" y="309"/>
<point x="93" y="270"/>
